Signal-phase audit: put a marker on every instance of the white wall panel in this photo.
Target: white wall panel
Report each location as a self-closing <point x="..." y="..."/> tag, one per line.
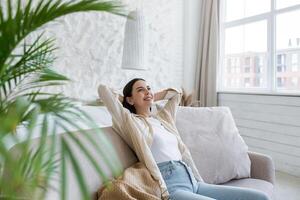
<point x="280" y="160"/>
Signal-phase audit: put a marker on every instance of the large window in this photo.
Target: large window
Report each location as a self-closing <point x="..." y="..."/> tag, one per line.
<point x="260" y="45"/>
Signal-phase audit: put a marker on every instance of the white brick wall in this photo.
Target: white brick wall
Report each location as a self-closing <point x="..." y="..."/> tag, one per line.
<point x="91" y="45"/>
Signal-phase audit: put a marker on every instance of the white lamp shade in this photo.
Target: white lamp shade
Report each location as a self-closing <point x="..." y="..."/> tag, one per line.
<point x="135" y="47"/>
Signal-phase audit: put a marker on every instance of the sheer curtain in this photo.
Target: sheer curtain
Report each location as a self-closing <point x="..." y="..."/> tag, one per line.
<point x="208" y="53"/>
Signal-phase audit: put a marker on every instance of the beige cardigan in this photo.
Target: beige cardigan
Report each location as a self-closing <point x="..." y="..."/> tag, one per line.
<point x="138" y="133"/>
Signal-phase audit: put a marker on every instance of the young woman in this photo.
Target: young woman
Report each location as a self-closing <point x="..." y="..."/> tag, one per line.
<point x="157" y="143"/>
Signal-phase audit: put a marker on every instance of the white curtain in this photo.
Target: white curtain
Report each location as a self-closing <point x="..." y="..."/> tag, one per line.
<point x="208" y="53"/>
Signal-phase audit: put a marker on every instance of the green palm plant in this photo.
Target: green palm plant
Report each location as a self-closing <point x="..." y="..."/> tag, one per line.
<point x="25" y="69"/>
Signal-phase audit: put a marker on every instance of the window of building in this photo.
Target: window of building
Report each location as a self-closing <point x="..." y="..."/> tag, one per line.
<point x="294" y="62"/>
<point x="247" y="82"/>
<point x="247" y="69"/>
<point x="247" y="61"/>
<point x="257" y="82"/>
<point x="280" y="82"/>
<point x="281" y="68"/>
<point x="281" y="59"/>
<point x="258" y="65"/>
<point x="265" y="57"/>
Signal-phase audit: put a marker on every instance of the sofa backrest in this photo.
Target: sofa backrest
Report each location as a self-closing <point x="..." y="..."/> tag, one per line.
<point x="126" y="155"/>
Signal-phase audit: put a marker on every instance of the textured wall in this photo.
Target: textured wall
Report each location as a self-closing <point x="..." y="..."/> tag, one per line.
<point x="91" y="45"/>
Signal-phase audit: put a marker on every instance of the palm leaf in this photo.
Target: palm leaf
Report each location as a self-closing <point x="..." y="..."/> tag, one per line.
<point x="26" y="169"/>
<point x="86" y="119"/>
<point x="77" y="170"/>
<point x="65" y="113"/>
<point x="63" y="183"/>
<point x="22" y="77"/>
<point x="33" y="65"/>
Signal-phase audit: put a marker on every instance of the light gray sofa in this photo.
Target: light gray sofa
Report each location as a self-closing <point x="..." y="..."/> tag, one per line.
<point x="262" y="167"/>
<point x="262" y="175"/>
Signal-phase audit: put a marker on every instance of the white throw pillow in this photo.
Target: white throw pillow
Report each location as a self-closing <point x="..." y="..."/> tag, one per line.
<point x="217" y="148"/>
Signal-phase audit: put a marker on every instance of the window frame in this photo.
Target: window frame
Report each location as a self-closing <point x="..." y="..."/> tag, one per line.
<point x="271" y="68"/>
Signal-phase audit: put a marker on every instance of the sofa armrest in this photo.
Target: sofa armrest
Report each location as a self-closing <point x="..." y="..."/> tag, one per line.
<point x="262" y="167"/>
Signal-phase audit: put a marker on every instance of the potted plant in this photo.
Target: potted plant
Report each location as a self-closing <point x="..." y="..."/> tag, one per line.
<point x="25" y="68"/>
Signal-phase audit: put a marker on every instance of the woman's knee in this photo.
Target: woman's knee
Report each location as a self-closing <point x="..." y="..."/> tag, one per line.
<point x="230" y="193"/>
<point x="188" y="195"/>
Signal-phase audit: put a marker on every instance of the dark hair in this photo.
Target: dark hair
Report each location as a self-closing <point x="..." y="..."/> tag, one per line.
<point x="127" y="92"/>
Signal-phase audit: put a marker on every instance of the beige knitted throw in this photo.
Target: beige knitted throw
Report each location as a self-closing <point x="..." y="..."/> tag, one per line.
<point x="136" y="183"/>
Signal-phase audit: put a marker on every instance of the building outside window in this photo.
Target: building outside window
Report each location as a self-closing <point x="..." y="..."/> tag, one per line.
<point x="257" y="81"/>
<point x="247" y="82"/>
<point x="258" y="65"/>
<point x="247" y="69"/>
<point x="295" y="62"/>
<point x="247" y="61"/>
<point x="280" y="82"/>
<point x="281" y="63"/>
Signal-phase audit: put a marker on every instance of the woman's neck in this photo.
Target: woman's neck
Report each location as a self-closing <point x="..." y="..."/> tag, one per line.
<point x="143" y="112"/>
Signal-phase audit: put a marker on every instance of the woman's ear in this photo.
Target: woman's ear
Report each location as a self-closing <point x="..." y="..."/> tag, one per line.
<point x="129" y="100"/>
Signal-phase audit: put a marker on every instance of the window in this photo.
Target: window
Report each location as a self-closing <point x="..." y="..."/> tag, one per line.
<point x="247" y="61"/>
<point x="265" y="39"/>
<point x="294" y="62"/>
<point x="247" y="69"/>
<point x="247" y="82"/>
<point x="280" y="82"/>
<point x="281" y="63"/>
<point x="257" y="82"/>
<point x="280" y="59"/>
<point x="258" y="65"/>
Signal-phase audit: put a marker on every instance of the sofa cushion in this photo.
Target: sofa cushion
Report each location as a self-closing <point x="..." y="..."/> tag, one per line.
<point x="217" y="148"/>
<point x="252" y="183"/>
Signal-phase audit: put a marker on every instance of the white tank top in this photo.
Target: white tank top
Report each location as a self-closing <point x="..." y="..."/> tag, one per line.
<point x="165" y="144"/>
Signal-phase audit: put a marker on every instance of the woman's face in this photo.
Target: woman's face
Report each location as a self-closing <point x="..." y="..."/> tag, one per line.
<point x="142" y="96"/>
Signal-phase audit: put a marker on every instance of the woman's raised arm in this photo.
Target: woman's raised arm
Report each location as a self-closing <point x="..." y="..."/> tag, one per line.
<point x="160" y="95"/>
<point x="173" y="96"/>
<point x="112" y="101"/>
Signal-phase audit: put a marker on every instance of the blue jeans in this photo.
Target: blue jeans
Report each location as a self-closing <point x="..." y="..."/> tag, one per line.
<point x="182" y="185"/>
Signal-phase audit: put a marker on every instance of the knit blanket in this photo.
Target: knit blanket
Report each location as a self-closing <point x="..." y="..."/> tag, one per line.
<point x="136" y="183"/>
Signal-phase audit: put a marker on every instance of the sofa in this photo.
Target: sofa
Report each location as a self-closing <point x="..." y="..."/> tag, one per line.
<point x="262" y="172"/>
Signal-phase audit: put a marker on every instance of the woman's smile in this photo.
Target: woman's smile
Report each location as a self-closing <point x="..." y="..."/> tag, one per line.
<point x="148" y="98"/>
